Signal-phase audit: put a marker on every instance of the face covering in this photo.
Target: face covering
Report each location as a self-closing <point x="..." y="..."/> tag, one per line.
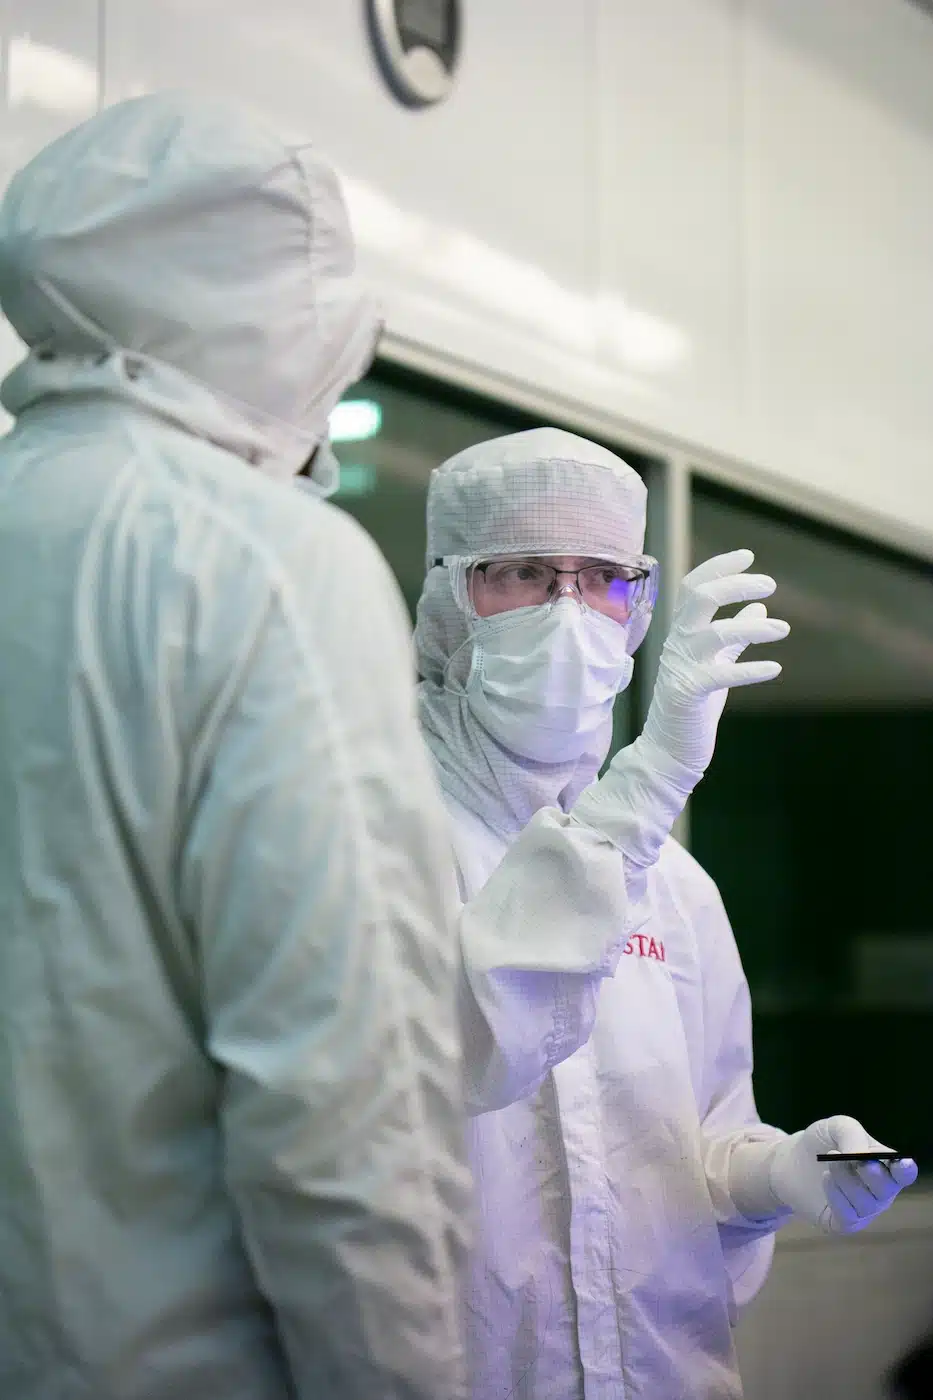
<point x="543" y="680"/>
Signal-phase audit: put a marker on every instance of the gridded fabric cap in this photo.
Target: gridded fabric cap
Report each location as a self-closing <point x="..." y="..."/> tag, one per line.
<point x="544" y="491"/>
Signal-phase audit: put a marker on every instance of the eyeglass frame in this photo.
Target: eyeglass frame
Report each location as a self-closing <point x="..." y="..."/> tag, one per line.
<point x="647" y="566"/>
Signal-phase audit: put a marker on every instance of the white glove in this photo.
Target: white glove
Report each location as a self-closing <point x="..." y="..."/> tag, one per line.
<point x="838" y="1198"/>
<point x="647" y="785"/>
<point x="698" y="663"/>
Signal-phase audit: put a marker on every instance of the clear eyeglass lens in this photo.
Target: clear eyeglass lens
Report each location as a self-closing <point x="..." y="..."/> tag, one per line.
<point x="614" y="589"/>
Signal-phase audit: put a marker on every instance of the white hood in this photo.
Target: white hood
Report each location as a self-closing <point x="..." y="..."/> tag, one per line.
<point x="175" y="252"/>
<point x="543" y="491"/>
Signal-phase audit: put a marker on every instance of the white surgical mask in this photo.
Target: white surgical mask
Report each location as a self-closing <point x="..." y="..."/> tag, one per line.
<point x="543" y="680"/>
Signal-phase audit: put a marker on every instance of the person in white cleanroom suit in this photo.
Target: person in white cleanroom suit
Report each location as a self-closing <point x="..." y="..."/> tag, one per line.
<point x="231" y="1156"/>
<point x="628" y="1193"/>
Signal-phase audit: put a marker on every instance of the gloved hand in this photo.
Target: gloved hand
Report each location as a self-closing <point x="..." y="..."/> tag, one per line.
<point x="637" y="801"/>
<point x="839" y="1198"/>
<point x="699" y="661"/>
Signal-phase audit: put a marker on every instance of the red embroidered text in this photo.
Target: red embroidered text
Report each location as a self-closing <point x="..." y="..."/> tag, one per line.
<point x="640" y="945"/>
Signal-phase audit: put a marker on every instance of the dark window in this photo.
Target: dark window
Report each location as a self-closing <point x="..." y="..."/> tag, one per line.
<point x="814" y="819"/>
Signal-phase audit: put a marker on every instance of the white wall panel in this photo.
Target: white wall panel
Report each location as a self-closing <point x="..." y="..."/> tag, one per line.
<point x="475" y="217"/>
<point x="839" y="175"/>
<point x="670" y="205"/>
<point x="48" y="82"/>
<point x="706" y="220"/>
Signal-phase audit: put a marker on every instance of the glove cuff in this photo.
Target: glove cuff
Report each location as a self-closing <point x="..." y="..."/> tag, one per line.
<point x="638" y="800"/>
<point x="751" y="1179"/>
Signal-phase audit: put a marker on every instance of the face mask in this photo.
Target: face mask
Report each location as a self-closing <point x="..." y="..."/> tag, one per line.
<point x="543" y="680"/>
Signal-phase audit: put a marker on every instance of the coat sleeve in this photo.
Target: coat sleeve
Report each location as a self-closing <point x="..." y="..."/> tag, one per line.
<point x="313" y="878"/>
<point x="536" y="942"/>
<point x="728" y="1113"/>
<point x="553" y="919"/>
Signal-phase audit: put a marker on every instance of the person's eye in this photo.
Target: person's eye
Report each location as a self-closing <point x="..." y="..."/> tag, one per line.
<point x="522" y="571"/>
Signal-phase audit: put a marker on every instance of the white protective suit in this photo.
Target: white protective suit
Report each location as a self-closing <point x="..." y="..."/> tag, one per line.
<point x="231" y="1162"/>
<point x="605" y="1011"/>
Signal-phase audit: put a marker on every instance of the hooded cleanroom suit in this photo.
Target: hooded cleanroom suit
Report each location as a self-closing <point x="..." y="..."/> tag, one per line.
<point x="230" y="1157"/>
<point x="627" y="1190"/>
<point x="606" y="1014"/>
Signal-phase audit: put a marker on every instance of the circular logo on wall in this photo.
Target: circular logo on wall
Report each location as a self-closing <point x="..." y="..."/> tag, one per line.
<point x="417" y="43"/>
